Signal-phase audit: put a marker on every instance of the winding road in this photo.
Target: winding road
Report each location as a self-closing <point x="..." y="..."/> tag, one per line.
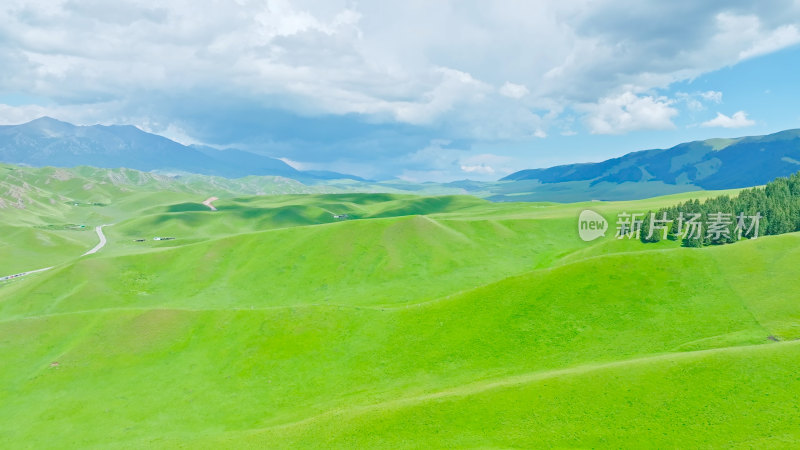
<point x="101" y="244"/>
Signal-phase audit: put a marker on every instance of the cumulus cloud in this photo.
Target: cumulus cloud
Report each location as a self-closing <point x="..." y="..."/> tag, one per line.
<point x="512" y="90"/>
<point x="737" y="120"/>
<point x="630" y="112"/>
<point x="338" y="57"/>
<point x="455" y="87"/>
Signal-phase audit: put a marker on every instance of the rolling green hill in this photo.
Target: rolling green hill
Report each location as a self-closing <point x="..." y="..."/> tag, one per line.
<point x="49" y="213"/>
<point x="416" y="322"/>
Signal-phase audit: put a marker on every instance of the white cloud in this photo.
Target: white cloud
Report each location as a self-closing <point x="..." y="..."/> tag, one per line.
<point x="455" y="87"/>
<point x="512" y="90"/>
<point x="487" y="164"/>
<point x="712" y="96"/>
<point x="782" y="37"/>
<point x="440" y="162"/>
<point x="692" y="103"/>
<point x="340" y="57"/>
<point x="696" y="101"/>
<point x="77" y="114"/>
<point x="151" y="61"/>
<point x="171" y="131"/>
<point x="738" y="120"/>
<point x="13" y="115"/>
<point x="629" y="112"/>
<point x="480" y="168"/>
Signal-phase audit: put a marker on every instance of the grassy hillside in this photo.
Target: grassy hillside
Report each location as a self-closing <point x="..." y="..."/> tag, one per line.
<point x="641" y="403"/>
<point x="418" y="322"/>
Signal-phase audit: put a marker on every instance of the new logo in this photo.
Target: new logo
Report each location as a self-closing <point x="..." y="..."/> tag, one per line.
<point x="591" y="225"/>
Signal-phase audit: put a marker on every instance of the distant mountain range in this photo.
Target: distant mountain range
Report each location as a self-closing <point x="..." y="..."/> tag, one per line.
<point x="50" y="142"/>
<point x="709" y="164"/>
<point x="700" y="165"/>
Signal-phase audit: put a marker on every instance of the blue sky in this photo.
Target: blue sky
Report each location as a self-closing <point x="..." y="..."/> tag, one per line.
<point x="416" y="90"/>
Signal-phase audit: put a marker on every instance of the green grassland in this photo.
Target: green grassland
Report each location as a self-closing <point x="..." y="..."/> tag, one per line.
<point x="418" y="322"/>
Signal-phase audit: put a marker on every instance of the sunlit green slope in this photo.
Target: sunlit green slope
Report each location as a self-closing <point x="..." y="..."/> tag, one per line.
<point x="731" y="398"/>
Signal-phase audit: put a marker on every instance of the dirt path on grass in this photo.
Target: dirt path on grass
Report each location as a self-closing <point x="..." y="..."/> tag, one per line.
<point x="100" y="245"/>
<point x="209" y="201"/>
